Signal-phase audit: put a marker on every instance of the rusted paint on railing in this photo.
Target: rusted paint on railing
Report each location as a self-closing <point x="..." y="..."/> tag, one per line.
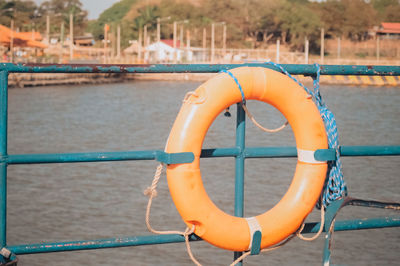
<point x="307" y="70"/>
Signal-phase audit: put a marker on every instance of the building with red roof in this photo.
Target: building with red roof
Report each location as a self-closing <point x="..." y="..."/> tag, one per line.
<point x="389" y="30"/>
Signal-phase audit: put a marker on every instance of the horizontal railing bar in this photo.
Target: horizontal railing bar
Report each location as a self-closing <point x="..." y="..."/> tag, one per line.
<point x="220" y="152"/>
<point x="80" y="157"/>
<point x="356" y="224"/>
<point x="372" y="203"/>
<point x="98" y="244"/>
<point x="252" y="152"/>
<point x="307" y="70"/>
<point x="369" y="150"/>
<point x="168" y="158"/>
<point x="343" y="225"/>
<point x="271" y="152"/>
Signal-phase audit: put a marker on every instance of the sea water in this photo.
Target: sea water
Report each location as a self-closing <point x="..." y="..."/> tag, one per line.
<point x="83" y="201"/>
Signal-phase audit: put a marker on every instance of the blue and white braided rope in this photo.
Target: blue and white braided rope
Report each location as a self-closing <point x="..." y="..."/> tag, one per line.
<point x="335" y="187"/>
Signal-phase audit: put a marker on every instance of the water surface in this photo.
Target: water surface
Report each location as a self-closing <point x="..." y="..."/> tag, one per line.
<point x="79" y="201"/>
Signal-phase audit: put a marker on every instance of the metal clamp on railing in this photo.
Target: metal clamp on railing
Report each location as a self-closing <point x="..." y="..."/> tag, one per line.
<point x="256" y="243"/>
<point x="325" y="154"/>
<point x="174" y="158"/>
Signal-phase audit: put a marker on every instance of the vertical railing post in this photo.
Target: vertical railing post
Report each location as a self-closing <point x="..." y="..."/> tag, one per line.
<point x="3" y="155"/>
<point x="239" y="166"/>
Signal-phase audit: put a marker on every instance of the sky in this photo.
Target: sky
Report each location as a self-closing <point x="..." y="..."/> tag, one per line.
<point x="94" y="7"/>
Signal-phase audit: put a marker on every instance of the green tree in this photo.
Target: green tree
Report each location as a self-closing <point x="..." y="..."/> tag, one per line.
<point x="391" y="14"/>
<point x="297" y="22"/>
<point x="381" y="5"/>
<point x="243" y="18"/>
<point x="59" y="11"/>
<point x="388" y="10"/>
<point x="23" y="13"/>
<point x="359" y="17"/>
<point x="179" y="11"/>
<point x="347" y="18"/>
<point x="113" y="15"/>
<point x="270" y="27"/>
<point x="259" y="20"/>
<point x="147" y="16"/>
<point x="331" y="14"/>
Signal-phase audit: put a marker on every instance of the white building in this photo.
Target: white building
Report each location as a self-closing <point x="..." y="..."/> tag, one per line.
<point x="164" y="51"/>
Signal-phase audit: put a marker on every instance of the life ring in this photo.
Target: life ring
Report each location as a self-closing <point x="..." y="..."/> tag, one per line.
<point x="191" y="125"/>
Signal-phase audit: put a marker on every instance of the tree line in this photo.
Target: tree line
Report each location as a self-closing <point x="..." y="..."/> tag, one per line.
<point x="256" y="23"/>
<point x="250" y="23"/>
<point x="28" y="16"/>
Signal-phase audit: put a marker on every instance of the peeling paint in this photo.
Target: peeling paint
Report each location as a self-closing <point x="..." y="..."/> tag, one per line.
<point x="392" y="207"/>
<point x="307" y="70"/>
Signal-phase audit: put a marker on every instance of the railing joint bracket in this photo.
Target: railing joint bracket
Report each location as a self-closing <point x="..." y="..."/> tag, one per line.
<point x="174" y="158"/>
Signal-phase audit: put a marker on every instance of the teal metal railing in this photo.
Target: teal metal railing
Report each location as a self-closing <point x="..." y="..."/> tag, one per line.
<point x="240" y="152"/>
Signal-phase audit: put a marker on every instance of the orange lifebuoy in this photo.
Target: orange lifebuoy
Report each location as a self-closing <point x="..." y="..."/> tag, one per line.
<point x="195" y="117"/>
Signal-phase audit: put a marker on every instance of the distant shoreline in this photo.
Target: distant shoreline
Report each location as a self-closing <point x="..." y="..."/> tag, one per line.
<point x="44" y="79"/>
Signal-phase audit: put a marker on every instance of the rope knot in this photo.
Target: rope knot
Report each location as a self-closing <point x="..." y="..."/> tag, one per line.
<point x="189" y="230"/>
<point x="151" y="192"/>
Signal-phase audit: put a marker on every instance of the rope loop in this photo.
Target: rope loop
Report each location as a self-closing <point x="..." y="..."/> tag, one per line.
<point x="151" y="191"/>
<point x="321" y="228"/>
<point x="244" y="106"/>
